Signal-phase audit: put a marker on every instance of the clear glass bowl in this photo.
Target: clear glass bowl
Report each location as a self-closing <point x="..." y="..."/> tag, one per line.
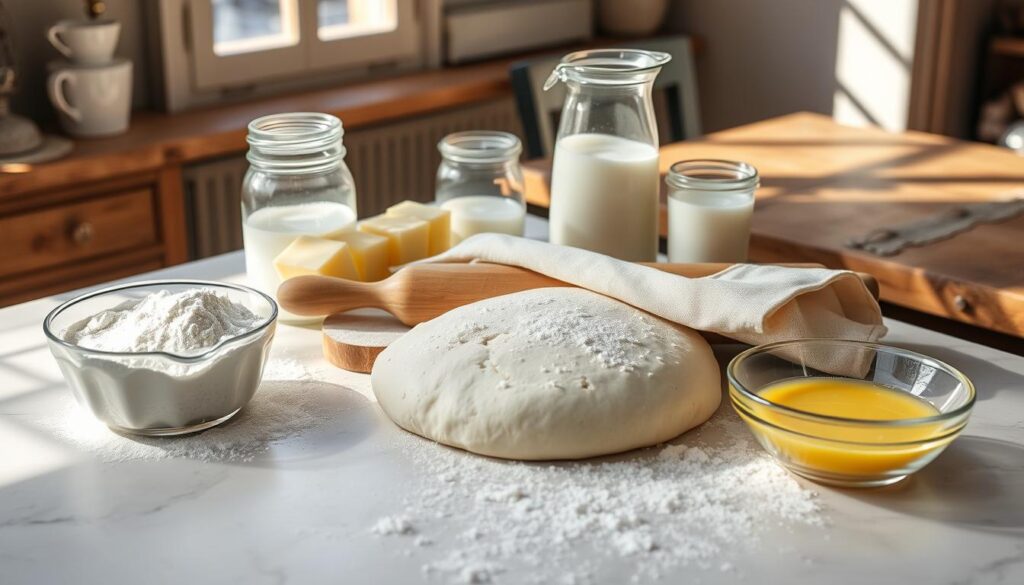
<point x="848" y="451"/>
<point x="160" y="393"/>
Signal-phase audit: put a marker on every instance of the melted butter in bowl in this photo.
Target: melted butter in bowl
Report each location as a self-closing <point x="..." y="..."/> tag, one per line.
<point x="886" y="415"/>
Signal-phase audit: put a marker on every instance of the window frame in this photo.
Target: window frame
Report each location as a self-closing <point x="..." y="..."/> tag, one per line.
<point x="213" y="71"/>
<point x="402" y="41"/>
<point x="208" y="72"/>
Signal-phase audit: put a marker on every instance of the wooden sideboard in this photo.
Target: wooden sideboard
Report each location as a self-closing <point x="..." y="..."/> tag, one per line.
<point x="87" y="232"/>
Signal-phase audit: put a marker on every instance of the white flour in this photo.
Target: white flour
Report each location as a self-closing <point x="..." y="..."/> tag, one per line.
<point x="288" y="403"/>
<point x="606" y="342"/>
<point x="182" y="323"/>
<point x="393" y="525"/>
<point x="689" y="505"/>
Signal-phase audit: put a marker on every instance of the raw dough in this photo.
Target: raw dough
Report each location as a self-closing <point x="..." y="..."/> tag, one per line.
<point x="554" y="373"/>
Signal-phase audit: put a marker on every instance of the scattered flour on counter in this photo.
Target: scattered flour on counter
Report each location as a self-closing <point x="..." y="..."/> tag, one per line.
<point x="289" y="402"/>
<point x="182" y="323"/>
<point x="393" y="525"/>
<point x="679" y="505"/>
<point x="285" y="369"/>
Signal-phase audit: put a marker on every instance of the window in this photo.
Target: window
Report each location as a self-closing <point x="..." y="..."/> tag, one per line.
<point x="339" y="19"/>
<point x="241" y="26"/>
<point x="235" y="43"/>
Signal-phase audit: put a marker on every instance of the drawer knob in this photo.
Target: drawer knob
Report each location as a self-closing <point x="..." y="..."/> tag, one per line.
<point x="82" y="233"/>
<point x="961" y="304"/>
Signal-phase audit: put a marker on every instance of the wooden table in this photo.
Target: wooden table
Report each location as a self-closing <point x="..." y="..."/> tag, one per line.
<point x="823" y="183"/>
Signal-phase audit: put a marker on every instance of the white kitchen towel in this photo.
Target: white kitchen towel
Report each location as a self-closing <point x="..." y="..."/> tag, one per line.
<point x="751" y="303"/>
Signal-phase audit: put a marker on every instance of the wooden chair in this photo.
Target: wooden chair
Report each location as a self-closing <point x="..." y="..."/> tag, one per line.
<point x="675" y="95"/>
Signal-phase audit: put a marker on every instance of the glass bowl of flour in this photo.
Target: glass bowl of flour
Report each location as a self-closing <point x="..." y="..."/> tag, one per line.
<point x="163" y="357"/>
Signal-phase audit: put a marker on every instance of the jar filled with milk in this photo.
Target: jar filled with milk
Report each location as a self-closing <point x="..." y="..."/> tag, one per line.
<point x="710" y="205"/>
<point x="604" y="182"/>
<point x="481" y="182"/>
<point x="297" y="185"/>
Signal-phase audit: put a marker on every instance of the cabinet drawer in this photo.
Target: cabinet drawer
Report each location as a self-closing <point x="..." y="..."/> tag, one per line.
<point x="41" y="239"/>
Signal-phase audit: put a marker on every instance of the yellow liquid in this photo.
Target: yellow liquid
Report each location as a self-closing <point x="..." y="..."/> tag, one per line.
<point x="842" y="448"/>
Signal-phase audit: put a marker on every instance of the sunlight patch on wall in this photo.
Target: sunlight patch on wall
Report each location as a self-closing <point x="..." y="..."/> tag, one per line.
<point x="874" y="57"/>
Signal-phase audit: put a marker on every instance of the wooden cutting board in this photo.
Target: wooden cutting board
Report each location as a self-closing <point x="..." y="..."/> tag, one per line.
<point x="352" y="340"/>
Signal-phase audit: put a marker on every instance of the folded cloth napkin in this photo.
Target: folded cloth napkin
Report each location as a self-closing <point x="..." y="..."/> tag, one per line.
<point x="751" y="303"/>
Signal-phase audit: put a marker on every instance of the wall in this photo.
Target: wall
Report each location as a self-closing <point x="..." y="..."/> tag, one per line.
<point x="761" y="59"/>
<point x="31" y="19"/>
<point x="850" y="58"/>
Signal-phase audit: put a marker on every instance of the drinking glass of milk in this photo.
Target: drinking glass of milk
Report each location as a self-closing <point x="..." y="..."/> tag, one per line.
<point x="710" y="203"/>
<point x="481" y="183"/>
<point x="297" y="185"/>
<point x="604" y="182"/>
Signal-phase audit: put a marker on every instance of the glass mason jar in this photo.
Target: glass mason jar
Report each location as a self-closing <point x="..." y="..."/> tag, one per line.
<point x="481" y="183"/>
<point x="604" y="181"/>
<point x="710" y="203"/>
<point x="297" y="185"/>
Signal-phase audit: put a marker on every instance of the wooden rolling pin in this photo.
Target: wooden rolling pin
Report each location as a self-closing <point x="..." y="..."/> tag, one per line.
<point x="420" y="292"/>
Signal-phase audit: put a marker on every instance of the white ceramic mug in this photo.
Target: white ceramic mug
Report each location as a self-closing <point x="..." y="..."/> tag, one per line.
<point x="93" y="100"/>
<point x="89" y="42"/>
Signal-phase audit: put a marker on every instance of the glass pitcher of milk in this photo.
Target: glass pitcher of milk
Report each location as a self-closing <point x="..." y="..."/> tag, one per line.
<point x="604" y="182"/>
<point x="480" y="182"/>
<point x="297" y="185"/>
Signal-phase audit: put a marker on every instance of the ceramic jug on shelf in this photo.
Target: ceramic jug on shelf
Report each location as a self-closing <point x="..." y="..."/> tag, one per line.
<point x="604" y="181"/>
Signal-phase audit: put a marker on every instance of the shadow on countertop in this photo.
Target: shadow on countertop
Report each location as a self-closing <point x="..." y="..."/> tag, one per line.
<point x="977" y="482"/>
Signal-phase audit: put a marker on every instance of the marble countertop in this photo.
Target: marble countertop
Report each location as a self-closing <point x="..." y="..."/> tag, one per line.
<point x="300" y="512"/>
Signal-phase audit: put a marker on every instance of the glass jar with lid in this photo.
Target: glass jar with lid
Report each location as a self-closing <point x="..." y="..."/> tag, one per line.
<point x="481" y="182"/>
<point x="297" y="185"/>
<point x="604" y="178"/>
<point x="710" y="205"/>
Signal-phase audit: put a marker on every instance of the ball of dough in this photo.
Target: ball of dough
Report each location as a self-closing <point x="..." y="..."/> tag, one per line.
<point x="555" y="373"/>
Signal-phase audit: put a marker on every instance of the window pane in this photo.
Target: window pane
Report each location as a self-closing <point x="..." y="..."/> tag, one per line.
<point x="244" y="26"/>
<point x="333" y="12"/>
<point x="352" y="18"/>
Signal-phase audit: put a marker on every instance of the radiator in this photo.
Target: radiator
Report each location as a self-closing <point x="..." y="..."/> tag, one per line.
<point x="390" y="162"/>
<point x="399" y="160"/>
<point x="213" y="206"/>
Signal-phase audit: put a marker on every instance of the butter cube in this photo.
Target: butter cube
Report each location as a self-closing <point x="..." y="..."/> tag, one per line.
<point x="369" y="252"/>
<point x="308" y="255"/>
<point x="438" y="218"/>
<point x="408" y="238"/>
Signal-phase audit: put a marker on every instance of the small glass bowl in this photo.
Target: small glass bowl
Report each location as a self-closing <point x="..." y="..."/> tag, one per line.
<point x="840" y="451"/>
<point x="160" y="393"/>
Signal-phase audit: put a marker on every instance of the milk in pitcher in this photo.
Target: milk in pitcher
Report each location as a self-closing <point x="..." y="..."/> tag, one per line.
<point x="605" y="196"/>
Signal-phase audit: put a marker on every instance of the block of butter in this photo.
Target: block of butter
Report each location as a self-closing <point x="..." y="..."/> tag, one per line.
<point x="309" y="255"/>
<point x="439" y="221"/>
<point x="408" y="238"/>
<point x="369" y="252"/>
